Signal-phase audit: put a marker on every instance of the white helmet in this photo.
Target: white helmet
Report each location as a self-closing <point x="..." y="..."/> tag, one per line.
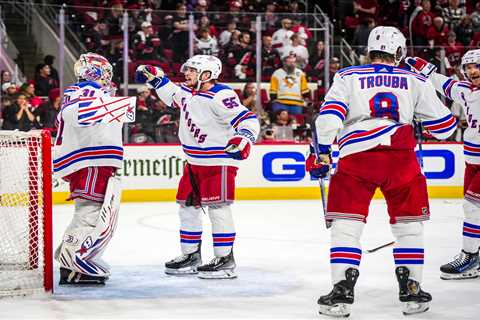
<point x="203" y="63"/>
<point x="389" y="40"/>
<point x="94" y="67"/>
<point x="472" y="56"/>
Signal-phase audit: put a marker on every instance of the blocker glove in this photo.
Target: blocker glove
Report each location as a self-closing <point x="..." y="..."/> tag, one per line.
<point x="148" y="74"/>
<point x="239" y="146"/>
<point x="319" y="167"/>
<point x="421" y="66"/>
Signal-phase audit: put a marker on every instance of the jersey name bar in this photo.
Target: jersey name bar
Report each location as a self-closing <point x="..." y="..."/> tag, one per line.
<point x="383" y="80"/>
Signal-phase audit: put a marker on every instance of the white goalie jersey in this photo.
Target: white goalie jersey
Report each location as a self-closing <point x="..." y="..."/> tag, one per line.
<point x="84" y="139"/>
<point x="208" y="120"/>
<point x="367" y="104"/>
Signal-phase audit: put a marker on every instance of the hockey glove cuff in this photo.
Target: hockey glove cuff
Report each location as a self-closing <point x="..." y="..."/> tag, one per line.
<point x="149" y="74"/>
<point x="239" y="146"/>
<point x="421" y="66"/>
<point x="319" y="167"/>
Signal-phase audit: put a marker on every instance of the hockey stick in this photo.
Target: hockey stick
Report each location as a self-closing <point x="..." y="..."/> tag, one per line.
<point x="418" y="132"/>
<point x="379" y="247"/>
<point x="321" y="181"/>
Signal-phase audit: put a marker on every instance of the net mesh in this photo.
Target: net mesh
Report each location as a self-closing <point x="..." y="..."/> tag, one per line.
<point x="21" y="214"/>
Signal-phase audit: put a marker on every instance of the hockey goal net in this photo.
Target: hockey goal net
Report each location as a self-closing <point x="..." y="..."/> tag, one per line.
<point x="25" y="213"/>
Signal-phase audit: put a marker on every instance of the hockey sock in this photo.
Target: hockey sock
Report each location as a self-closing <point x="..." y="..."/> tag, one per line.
<point x="345" y="251"/>
<point x="408" y="250"/>
<point x="471" y="226"/>
<point x="190" y="228"/>
<point x="223" y="229"/>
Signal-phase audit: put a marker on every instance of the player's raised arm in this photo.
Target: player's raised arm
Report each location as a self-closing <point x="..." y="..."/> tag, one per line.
<point x="156" y="78"/>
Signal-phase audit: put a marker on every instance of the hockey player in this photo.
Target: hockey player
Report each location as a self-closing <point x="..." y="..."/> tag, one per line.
<point x="370" y="109"/>
<point x="87" y="155"/>
<point x="216" y="131"/>
<point x="466" y="264"/>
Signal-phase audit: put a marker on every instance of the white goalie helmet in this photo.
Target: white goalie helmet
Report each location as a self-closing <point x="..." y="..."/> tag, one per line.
<point x="472" y="56"/>
<point x="94" y="67"/>
<point x="203" y="63"/>
<point x="389" y="40"/>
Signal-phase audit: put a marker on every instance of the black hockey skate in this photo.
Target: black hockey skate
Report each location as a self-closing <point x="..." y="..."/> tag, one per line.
<point x="415" y="299"/>
<point x="464" y="266"/>
<point x="70" y="277"/>
<point x="218" y="268"/>
<point x="185" y="264"/>
<point x="336" y="303"/>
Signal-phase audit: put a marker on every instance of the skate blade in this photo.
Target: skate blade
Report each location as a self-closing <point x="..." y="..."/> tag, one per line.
<point x="339" y="310"/>
<point x="222" y="274"/>
<point x="410" y="308"/>
<point x="471" y="274"/>
<point x="82" y="284"/>
<point x="181" y="272"/>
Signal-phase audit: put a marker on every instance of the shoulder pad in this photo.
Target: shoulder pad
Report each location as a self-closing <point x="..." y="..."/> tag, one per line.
<point x="218" y="87"/>
<point x="92" y="84"/>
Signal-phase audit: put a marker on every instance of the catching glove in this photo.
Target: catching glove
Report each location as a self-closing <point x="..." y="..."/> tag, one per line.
<point x="421" y="66"/>
<point x="319" y="168"/>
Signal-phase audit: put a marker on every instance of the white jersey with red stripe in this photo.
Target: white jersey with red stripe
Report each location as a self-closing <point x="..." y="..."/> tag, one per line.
<point x="367" y="104"/>
<point x="78" y="144"/>
<point x="208" y="120"/>
<point x="468" y="95"/>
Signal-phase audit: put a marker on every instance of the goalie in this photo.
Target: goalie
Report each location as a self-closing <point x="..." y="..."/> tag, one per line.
<point x="88" y="151"/>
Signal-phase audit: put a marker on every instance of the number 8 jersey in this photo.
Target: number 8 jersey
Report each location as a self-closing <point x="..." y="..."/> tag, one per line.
<point x="367" y="104"/>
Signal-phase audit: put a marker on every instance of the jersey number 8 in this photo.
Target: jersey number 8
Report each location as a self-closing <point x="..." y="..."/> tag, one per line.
<point x="384" y="105"/>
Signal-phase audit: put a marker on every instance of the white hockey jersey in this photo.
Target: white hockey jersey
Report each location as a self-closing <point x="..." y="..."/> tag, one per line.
<point x="367" y="104"/>
<point x="79" y="146"/>
<point x="208" y="120"/>
<point x="468" y="96"/>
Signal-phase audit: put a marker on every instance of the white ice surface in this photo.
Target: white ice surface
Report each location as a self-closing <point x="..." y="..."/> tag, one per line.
<point x="282" y="253"/>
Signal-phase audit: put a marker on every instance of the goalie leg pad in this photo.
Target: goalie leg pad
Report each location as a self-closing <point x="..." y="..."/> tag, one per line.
<point x="408" y="251"/>
<point x="90" y="231"/>
<point x="346" y="249"/>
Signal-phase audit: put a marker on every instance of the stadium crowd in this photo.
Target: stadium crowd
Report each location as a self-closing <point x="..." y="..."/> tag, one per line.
<point x="292" y="54"/>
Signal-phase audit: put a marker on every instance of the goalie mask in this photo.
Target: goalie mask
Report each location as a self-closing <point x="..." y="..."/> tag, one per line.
<point x="94" y="67"/>
<point x="203" y="63"/>
<point x="389" y="40"/>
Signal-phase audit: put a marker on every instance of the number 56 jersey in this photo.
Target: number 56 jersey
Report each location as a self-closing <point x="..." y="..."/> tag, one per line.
<point x="367" y="104"/>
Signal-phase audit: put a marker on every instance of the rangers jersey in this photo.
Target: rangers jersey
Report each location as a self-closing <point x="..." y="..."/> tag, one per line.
<point x="468" y="96"/>
<point x="208" y="120"/>
<point x="80" y="145"/>
<point x="367" y="104"/>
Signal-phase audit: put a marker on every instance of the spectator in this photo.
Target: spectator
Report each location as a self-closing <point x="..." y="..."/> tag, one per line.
<point x="437" y="58"/>
<point x="146" y="43"/>
<point x="5" y="77"/>
<point x="288" y="87"/>
<point x="47" y="112"/>
<point x="165" y="30"/>
<point x="476" y="18"/>
<point x="179" y="36"/>
<point x="454" y="50"/>
<point x="360" y="38"/>
<point x="48" y="60"/>
<point x="437" y="34"/>
<point x="281" y="37"/>
<point x="317" y="60"/>
<point x="145" y="99"/>
<point x="297" y="49"/>
<point x="94" y="38"/>
<point x="43" y="81"/>
<point x="475" y="43"/>
<point x="205" y="43"/>
<point x="240" y="56"/>
<point x="303" y="32"/>
<point x="421" y="23"/>
<point x="365" y="9"/>
<point x="282" y="126"/>
<point x="226" y="34"/>
<point x="249" y="99"/>
<point x="114" y="21"/>
<point x="143" y="129"/>
<point x="18" y="115"/>
<point x="270" y="58"/>
<point x="5" y="102"/>
<point x="464" y="31"/>
<point x="205" y="23"/>
<point x="270" y="18"/>
<point x="9" y="90"/>
<point x="166" y="123"/>
<point x="28" y="90"/>
<point x="453" y="13"/>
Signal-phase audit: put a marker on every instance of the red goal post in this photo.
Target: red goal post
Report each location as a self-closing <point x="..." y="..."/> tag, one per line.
<point x="25" y="213"/>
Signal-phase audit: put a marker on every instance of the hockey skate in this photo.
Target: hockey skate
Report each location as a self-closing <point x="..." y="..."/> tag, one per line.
<point x="464" y="266"/>
<point x="337" y="302"/>
<point x="218" y="268"/>
<point x="70" y="277"/>
<point x="415" y="299"/>
<point x="185" y="264"/>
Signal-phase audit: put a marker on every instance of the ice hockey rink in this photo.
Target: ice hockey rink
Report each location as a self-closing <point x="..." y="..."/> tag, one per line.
<point x="282" y="254"/>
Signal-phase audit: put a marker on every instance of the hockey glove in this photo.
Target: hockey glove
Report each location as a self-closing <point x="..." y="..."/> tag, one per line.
<point x="239" y="146"/>
<point x="148" y="74"/>
<point x="421" y="66"/>
<point x="319" y="168"/>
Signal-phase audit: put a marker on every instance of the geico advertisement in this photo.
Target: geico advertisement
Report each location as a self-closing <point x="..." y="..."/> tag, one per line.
<point x="282" y="165"/>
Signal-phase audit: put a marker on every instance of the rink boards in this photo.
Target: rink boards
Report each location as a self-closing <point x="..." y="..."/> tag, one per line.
<point x="273" y="171"/>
